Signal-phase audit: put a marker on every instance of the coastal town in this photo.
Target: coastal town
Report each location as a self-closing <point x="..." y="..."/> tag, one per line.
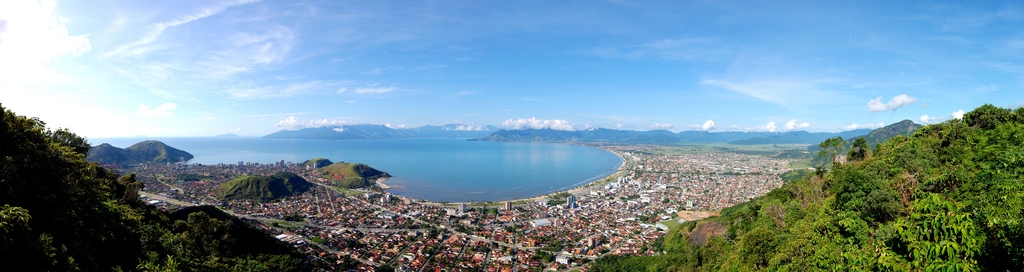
<point x="369" y="229"/>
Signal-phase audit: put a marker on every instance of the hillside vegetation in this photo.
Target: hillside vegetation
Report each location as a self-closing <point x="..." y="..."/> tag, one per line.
<point x="949" y="197"/>
<point x="142" y="152"/>
<point x="317" y="162"/>
<point x="59" y="212"/>
<point x="264" y="188"/>
<point x="352" y="175"/>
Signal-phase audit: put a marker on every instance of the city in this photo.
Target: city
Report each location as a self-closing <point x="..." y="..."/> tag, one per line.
<point x="368" y="229"/>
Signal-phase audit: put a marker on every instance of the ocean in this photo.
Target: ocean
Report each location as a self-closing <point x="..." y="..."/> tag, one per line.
<point x="440" y="170"/>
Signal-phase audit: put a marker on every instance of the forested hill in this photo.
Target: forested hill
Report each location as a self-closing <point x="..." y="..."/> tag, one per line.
<point x="59" y="212"/>
<point x="949" y="197"/>
<point x="264" y="188"/>
<point x="141" y="152"/>
<point x="602" y="135"/>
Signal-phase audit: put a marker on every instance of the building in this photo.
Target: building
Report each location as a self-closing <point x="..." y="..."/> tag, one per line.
<point x="541" y="222"/>
<point x="462" y="207"/>
<point x="571" y="202"/>
<point x="508" y="205"/>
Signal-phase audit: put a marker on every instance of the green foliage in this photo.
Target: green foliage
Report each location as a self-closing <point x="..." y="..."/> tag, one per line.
<point x="317" y="162"/>
<point x="264" y="188"/>
<point x="61" y="213"/>
<point x="352" y="175"/>
<point x="950" y="197"/>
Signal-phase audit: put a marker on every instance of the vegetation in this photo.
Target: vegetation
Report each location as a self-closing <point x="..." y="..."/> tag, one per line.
<point x="317" y="163"/>
<point x="264" y="188"/>
<point x="949" y="197"/>
<point x="142" y="152"/>
<point x="352" y="175"/>
<point x="59" y="212"/>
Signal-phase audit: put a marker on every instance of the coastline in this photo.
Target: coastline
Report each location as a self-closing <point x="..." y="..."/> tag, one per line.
<point x="578" y="190"/>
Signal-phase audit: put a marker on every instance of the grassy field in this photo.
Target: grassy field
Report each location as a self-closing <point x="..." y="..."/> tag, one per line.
<point x="671" y="223"/>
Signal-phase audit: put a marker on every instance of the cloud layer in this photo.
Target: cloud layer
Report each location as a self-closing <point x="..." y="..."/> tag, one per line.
<point x="164" y="110"/>
<point x="293" y="123"/>
<point x="876" y="105"/>
<point x="862" y="126"/>
<point x="534" y="123"/>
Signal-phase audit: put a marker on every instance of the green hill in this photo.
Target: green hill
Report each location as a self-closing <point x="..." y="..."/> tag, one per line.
<point x="349" y="175"/>
<point x="142" y="152"/>
<point x="949" y="197"/>
<point x="317" y="163"/>
<point x="59" y="212"/>
<point x="264" y="188"/>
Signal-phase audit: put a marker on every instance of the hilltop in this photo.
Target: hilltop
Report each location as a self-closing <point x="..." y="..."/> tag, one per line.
<point x="264" y="188"/>
<point x="317" y="162"/>
<point x="349" y="175"/>
<point x="141" y="152"/>
<point x="948" y="197"/>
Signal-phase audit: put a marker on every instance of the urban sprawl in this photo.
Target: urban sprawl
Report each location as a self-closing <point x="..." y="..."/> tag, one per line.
<point x="366" y="229"/>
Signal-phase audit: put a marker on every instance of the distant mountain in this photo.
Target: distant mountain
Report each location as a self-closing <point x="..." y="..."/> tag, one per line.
<point x="226" y="135"/>
<point x="905" y="128"/>
<point x="800" y="137"/>
<point x="352" y="175"/>
<point x="350" y="132"/>
<point x="142" y="152"/>
<point x="661" y="136"/>
<point x="264" y="188"/>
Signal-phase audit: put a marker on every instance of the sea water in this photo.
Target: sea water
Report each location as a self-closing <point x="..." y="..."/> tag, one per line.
<point x="451" y="170"/>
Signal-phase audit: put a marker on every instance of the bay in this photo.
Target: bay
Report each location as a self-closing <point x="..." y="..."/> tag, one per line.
<point x="441" y="170"/>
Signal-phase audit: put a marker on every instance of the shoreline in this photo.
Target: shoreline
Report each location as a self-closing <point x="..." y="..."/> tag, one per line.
<point x="581" y="189"/>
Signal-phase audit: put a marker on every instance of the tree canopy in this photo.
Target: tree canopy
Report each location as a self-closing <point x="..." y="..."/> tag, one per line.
<point x="59" y="212"/>
<point x="949" y="197"/>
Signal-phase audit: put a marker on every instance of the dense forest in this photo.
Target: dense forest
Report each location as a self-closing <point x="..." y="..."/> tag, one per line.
<point x="948" y="198"/>
<point x="59" y="212"/>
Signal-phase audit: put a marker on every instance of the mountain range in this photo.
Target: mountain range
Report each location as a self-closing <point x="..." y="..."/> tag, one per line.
<point x="352" y="132"/>
<point x="664" y="137"/>
<point x="600" y="135"/>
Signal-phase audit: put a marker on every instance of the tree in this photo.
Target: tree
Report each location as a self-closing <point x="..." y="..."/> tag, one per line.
<point x="860" y="150"/>
<point x="831" y="147"/>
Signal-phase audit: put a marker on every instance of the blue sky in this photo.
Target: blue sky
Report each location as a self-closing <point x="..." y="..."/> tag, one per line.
<point x="202" y="68"/>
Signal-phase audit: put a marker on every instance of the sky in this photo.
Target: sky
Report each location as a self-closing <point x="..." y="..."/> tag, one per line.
<point x="202" y="68"/>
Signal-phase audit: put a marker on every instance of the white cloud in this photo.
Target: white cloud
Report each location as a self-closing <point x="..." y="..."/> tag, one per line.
<point x="389" y="125"/>
<point x="876" y="105"/>
<point x="784" y="92"/>
<point x="342" y="90"/>
<point x="770" y="127"/>
<point x="708" y="125"/>
<point x="862" y="126"/>
<point x="791" y="125"/>
<point x="157" y="29"/>
<point x="534" y="123"/>
<point x="662" y="126"/>
<point x="469" y="128"/>
<point x="375" y="90"/>
<point x="163" y="110"/>
<point x="31" y="34"/>
<point x="958" y="114"/>
<point x="293" y="123"/>
<point x="929" y="119"/>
